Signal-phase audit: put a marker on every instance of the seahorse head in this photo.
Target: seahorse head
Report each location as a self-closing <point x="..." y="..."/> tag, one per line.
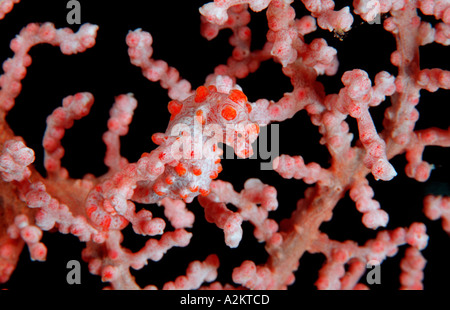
<point x="218" y="116"/>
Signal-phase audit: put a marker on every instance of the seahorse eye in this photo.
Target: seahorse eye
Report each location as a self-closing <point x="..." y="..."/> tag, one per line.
<point x="229" y="113"/>
<point x="200" y="117"/>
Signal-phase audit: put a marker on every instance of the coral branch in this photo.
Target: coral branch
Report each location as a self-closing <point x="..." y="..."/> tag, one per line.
<point x="197" y="273"/>
<point x="140" y="51"/>
<point x="74" y="108"/>
<point x="121" y="115"/>
<point x="254" y="192"/>
<point x="436" y="207"/>
<point x="14" y="161"/>
<point x="333" y="274"/>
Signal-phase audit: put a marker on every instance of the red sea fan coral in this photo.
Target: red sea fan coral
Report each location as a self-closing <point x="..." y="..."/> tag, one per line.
<point x="299" y="154"/>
